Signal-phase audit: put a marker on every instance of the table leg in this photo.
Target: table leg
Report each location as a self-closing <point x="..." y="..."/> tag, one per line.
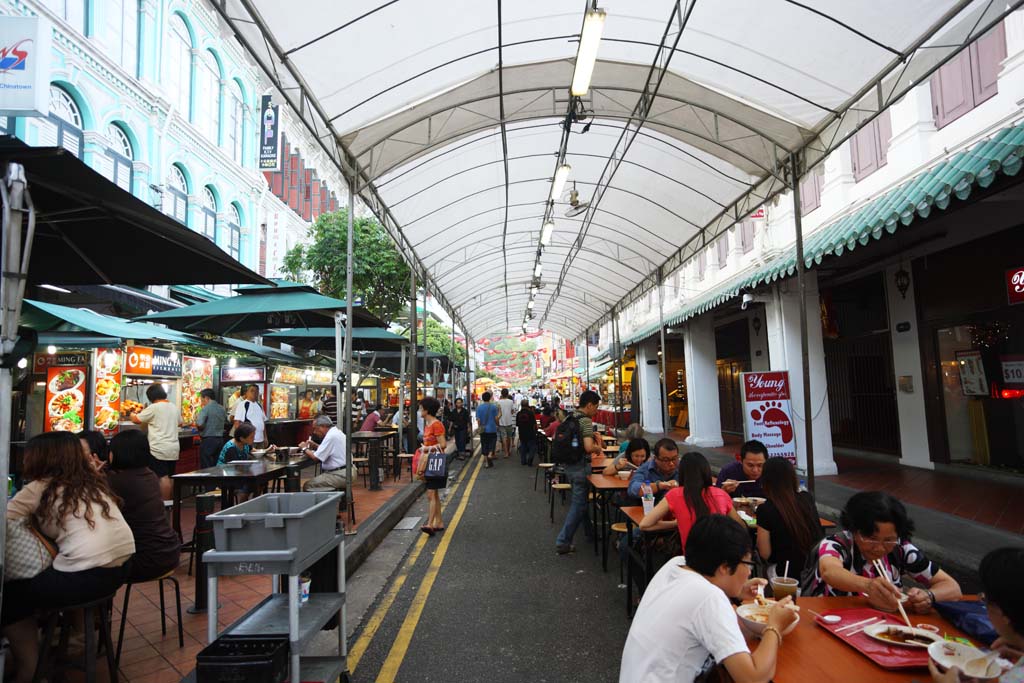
<point x="374" y="463"/>
<point x="604" y="531"/>
<point x="629" y="567"/>
<point x="176" y="508"/>
<point x="593" y="526"/>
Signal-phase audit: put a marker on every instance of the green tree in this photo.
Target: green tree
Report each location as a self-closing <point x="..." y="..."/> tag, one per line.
<point x="439" y="340"/>
<point x="379" y="275"/>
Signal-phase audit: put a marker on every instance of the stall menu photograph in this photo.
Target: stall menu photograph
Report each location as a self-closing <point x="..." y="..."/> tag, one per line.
<point x="767" y="415"/>
<point x="107" y="411"/>
<point x="197" y="374"/>
<point x="65" y="398"/>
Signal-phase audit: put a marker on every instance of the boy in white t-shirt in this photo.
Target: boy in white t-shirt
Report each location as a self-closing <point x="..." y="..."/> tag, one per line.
<point x="685" y="624"/>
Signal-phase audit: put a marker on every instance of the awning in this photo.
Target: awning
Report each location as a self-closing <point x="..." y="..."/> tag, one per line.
<point x="90" y="231"/>
<point x="596" y="370"/>
<point x="262" y="351"/>
<point x="641" y="334"/>
<point x="193" y="294"/>
<point x="58" y="318"/>
<point x="75" y="340"/>
<point x="322" y="338"/>
<point x="956" y="176"/>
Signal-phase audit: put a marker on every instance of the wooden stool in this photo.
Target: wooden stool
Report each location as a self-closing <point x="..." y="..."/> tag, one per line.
<point x="45" y="664"/>
<point x="563" y="487"/>
<point x="620" y="528"/>
<point x="169" y="576"/>
<point x="362" y="466"/>
<point x="546" y="466"/>
<point x="406" y="457"/>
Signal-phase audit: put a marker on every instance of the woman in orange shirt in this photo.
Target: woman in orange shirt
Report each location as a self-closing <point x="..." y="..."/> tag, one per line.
<point x="433" y="435"/>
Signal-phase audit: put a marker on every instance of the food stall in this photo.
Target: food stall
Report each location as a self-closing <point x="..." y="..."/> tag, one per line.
<point x="284" y="424"/>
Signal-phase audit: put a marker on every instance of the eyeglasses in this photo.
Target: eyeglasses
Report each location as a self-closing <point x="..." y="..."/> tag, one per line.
<point x="872" y="543"/>
<point x="749" y="563"/>
<point x="674" y="458"/>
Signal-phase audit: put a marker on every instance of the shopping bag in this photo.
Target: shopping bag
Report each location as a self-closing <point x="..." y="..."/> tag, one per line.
<point x="437" y="464"/>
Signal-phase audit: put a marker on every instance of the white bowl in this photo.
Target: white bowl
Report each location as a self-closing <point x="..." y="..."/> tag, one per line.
<point x="757" y="628"/>
<point x="624" y="475"/>
<point x="950" y="653"/>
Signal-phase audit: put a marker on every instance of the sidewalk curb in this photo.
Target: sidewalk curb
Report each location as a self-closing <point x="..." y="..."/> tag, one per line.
<point x="378" y="525"/>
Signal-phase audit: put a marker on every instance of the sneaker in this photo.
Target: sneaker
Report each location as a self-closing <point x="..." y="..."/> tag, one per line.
<point x="565" y="549"/>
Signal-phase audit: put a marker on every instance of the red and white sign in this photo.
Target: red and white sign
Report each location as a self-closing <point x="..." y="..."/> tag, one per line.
<point x="767" y="415"/>
<point x="1015" y="285"/>
<point x="758" y="214"/>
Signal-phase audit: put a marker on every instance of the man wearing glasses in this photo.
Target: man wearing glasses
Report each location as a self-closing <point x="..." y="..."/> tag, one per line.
<point x="659" y="471"/>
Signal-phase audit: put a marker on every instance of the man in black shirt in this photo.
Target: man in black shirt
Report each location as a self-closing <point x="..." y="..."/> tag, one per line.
<point x="459" y="419"/>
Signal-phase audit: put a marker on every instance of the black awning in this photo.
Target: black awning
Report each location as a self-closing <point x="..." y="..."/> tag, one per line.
<point x="90" y="231"/>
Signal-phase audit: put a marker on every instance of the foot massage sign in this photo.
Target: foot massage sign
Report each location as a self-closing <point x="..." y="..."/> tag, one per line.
<point x="767" y="415"/>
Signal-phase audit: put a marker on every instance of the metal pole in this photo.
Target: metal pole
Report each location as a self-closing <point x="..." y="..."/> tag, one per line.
<point x="425" y="317"/>
<point x="413" y="401"/>
<point x="805" y="358"/>
<point x="618" y="370"/>
<point x="663" y="358"/>
<point x="348" y="344"/>
<point x="586" y="347"/>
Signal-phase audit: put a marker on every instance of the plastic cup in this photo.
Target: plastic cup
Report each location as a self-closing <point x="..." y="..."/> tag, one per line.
<point x="783" y="586"/>
<point x="304" y="589"/>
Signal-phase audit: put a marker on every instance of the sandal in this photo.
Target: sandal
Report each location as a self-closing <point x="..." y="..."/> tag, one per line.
<point x="429" y="531"/>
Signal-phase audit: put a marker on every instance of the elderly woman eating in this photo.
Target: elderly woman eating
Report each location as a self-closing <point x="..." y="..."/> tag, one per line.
<point x="873" y="553"/>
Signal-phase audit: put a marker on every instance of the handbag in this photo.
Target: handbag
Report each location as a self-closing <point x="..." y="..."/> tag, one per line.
<point x="28" y="552"/>
<point x="437" y="464"/>
<point x="969" y="617"/>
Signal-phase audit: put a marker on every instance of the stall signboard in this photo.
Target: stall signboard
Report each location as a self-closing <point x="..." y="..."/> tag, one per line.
<point x="270" y="135"/>
<point x="109" y="369"/>
<point x="243" y="374"/>
<point x="65" y="398"/>
<point x="767" y="414"/>
<point x="41" y="362"/>
<point x="288" y="375"/>
<point x="973" y="381"/>
<point x="197" y="374"/>
<point x="1015" y="285"/>
<point x="321" y="377"/>
<point x="1013" y="371"/>
<point x="141" y="360"/>
<point x="24" y="66"/>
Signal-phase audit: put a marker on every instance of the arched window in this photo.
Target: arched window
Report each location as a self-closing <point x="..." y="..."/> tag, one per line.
<point x="179" y="66"/>
<point x="176" y="199"/>
<point x="209" y="222"/>
<point x="63" y="126"/>
<point x="122" y="33"/>
<point x="235" y="227"/>
<point x="208" y="89"/>
<point x="233" y="133"/>
<point x="120" y="155"/>
<point x="74" y="12"/>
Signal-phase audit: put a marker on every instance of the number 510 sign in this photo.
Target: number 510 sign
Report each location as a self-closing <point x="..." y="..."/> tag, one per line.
<point x="1013" y="371"/>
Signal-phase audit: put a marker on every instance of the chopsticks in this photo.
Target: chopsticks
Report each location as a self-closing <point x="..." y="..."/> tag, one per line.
<point x="862" y="623"/>
<point x="880" y="568"/>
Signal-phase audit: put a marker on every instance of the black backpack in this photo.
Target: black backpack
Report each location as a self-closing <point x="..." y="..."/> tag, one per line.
<point x="563" y="452"/>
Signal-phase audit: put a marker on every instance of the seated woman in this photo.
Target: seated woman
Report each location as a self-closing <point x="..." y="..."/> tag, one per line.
<point x="633" y="431"/>
<point x="876" y="527"/>
<point x="94" y="445"/>
<point x="546" y="417"/>
<point x="635" y="454"/>
<point x="697" y="497"/>
<point x="787" y="523"/>
<point x="157" y="548"/>
<point x="69" y="501"/>
<point x="239" y="447"/>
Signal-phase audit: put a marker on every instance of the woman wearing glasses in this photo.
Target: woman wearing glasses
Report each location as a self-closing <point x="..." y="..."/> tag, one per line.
<point x="876" y="527"/>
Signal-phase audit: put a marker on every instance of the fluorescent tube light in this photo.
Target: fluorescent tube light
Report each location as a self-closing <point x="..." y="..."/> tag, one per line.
<point x="545" y="233"/>
<point x="536" y="271"/>
<point x="530" y="304"/>
<point x="55" y="288"/>
<point x="586" y="54"/>
<point x="558" y="184"/>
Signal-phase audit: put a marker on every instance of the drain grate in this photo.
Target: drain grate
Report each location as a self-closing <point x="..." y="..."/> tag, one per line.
<point x="408" y="523"/>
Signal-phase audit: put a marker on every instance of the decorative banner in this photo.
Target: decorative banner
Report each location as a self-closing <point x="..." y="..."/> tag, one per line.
<point x="65" y="399"/>
<point x="107" y="409"/>
<point x="973" y="381"/>
<point x="1015" y="285"/>
<point x="24" y="66"/>
<point x="242" y="374"/>
<point x="270" y="135"/>
<point x="197" y="374"/>
<point x="141" y="360"/>
<point x="767" y="415"/>
<point x="42" y="361"/>
<point x="1013" y="371"/>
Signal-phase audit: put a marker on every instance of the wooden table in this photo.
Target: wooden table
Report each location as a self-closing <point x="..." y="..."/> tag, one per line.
<point x="603" y="487"/>
<point x="374" y="453"/>
<point x="810" y="653"/>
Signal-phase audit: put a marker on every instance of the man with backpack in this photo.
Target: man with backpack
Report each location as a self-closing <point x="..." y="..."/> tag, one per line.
<point x="572" y="447"/>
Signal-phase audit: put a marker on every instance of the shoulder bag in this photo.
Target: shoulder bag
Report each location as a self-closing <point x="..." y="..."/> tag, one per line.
<point x="28" y="552"/>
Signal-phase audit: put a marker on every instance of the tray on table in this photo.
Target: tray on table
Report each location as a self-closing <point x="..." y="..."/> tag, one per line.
<point x="885" y="656"/>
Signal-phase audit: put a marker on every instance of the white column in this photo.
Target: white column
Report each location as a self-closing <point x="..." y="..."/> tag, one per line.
<point x="783" y="318"/>
<point x="906" y="363"/>
<point x="702" y="383"/>
<point x="649" y="386"/>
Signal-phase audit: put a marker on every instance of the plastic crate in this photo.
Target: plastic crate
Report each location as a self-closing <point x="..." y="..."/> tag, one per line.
<point x="243" y="660"/>
<point x="277" y="522"/>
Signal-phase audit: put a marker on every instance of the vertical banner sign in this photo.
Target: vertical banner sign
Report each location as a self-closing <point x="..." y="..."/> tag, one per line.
<point x="1015" y="285"/>
<point x="24" y="66"/>
<point x="65" y="399"/>
<point x="197" y="374"/>
<point x="767" y="415"/>
<point x="107" y="409"/>
<point x="270" y="135"/>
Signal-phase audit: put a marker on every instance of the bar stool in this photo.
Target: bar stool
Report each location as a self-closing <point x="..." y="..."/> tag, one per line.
<point x="404" y="457"/>
<point x="561" y="487"/>
<point x="169" y="576"/>
<point x="48" y="666"/>
<point x="546" y="466"/>
<point x="362" y="466"/>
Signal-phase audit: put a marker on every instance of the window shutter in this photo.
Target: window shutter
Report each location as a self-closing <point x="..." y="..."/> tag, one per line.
<point x="104" y="165"/>
<point x="951" y="89"/>
<point x="702" y="263"/>
<point x="864" y="150"/>
<point x="883" y="126"/>
<point x="987" y="55"/>
<point x="723" y="251"/>
<point x="747" y="235"/>
<point x="810" y="192"/>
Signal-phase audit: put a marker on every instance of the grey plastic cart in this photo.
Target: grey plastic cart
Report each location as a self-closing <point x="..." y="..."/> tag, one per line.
<point x="282" y="533"/>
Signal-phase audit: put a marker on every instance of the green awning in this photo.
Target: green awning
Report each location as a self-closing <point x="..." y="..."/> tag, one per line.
<point x="641" y="333"/>
<point x="66" y="319"/>
<point x="956" y="176"/>
<point x="263" y="351"/>
<point x="75" y="340"/>
<point x="596" y="370"/>
<point x="322" y="338"/>
<point x="193" y="294"/>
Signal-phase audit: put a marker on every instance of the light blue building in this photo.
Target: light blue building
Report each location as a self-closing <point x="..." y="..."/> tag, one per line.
<point x="157" y="96"/>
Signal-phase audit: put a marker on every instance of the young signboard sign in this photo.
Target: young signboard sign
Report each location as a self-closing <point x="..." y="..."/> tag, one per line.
<point x="767" y="414"/>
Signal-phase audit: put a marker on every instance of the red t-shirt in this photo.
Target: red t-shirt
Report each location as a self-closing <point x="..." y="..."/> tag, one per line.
<point x="718" y="501"/>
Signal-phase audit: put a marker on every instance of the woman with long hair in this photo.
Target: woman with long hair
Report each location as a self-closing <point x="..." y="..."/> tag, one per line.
<point x="433" y="436"/>
<point x="69" y="501"/>
<point x="787" y="523"/>
<point x="696" y="497"/>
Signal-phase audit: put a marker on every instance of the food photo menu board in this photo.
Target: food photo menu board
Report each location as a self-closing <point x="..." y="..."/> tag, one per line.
<point x="109" y="370"/>
<point x="65" y="399"/>
<point x="197" y="374"/>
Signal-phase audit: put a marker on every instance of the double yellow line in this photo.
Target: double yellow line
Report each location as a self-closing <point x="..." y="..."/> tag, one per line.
<point x="401" y="644"/>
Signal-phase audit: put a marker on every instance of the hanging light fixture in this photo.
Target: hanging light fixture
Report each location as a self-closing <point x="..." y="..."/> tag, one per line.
<point x="530" y="304"/>
<point x="537" y="270"/>
<point x="586" y="54"/>
<point x="902" y="281"/>
<point x="545" y="233"/>
<point x="558" y="184"/>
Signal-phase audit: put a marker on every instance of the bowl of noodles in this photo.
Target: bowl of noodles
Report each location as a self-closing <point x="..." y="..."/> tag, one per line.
<point x="754" y="616"/>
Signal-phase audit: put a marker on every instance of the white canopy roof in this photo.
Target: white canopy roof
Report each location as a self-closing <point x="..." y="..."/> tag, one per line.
<point x="450" y="122"/>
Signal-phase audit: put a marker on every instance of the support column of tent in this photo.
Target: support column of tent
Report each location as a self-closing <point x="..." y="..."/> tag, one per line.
<point x="702" y="380"/>
<point x="663" y="355"/>
<point x="412" y="430"/>
<point x="347" y="396"/>
<point x="586" y="346"/>
<point x="617" y="346"/>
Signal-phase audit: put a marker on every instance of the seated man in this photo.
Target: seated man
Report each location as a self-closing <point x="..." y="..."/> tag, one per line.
<point x="372" y="420"/>
<point x="659" y="471"/>
<point x="753" y="455"/>
<point x="331" y="454"/>
<point x="664" y="646"/>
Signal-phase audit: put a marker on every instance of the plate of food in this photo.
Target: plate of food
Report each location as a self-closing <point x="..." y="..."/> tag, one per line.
<point x="71" y="378"/>
<point x="107" y="418"/>
<point x="748" y="500"/>
<point x="107" y="389"/>
<point x="971" y="661"/>
<point x="754" y="615"/>
<point x="905" y="636"/>
<point x="69" y="401"/>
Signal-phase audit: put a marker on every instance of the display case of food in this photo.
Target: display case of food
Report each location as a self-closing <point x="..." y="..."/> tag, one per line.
<point x="234" y="379"/>
<point x="283" y="401"/>
<point x="196" y="375"/>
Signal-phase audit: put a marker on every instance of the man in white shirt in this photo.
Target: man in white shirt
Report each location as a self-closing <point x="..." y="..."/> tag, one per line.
<point x="330" y="452"/>
<point x="161" y="419"/>
<point x="506" y="421"/>
<point x="662" y="647"/>
<point x="248" y="409"/>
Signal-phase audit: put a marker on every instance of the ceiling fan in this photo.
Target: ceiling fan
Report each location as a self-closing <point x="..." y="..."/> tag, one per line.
<point x="576" y="207"/>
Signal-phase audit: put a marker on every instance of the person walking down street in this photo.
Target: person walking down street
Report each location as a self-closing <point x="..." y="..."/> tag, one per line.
<point x="460" y="426"/>
<point x="433" y="437"/>
<point x="328" y="446"/>
<point x="162" y="419"/>
<point x="249" y="410"/>
<point x="574" y="444"/>
<point x="329" y="405"/>
<point x="506" y="422"/>
<point x="210" y="421"/>
<point x="487" y="418"/>
<point x="526" y="421"/>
